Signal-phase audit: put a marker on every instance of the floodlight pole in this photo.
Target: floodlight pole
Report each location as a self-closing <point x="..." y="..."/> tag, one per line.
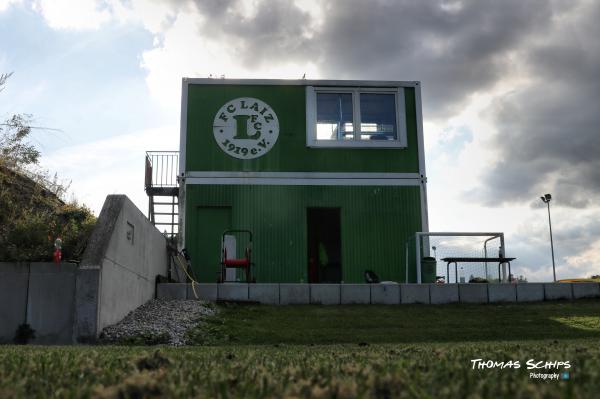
<point x="551" y="241"/>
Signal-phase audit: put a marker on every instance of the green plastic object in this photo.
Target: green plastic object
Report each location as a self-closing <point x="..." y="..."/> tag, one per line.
<point x="428" y="269"/>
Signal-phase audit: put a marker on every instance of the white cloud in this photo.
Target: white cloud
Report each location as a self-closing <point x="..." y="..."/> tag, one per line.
<point x="76" y="15"/>
<point x="183" y="52"/>
<point x="4" y="4"/>
<point x="110" y="166"/>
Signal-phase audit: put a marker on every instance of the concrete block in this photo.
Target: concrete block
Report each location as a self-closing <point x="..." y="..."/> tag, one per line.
<point x="205" y="292"/>
<point x="294" y="294"/>
<point x="530" y="292"/>
<point x="414" y="293"/>
<point x="51" y="267"/>
<point x="386" y="294"/>
<point x="51" y="302"/>
<point x="232" y="292"/>
<point x="325" y="294"/>
<point x="87" y="281"/>
<point x="443" y="293"/>
<point x="171" y="291"/>
<point x="586" y="290"/>
<point x="355" y="294"/>
<point x="502" y="293"/>
<point x="124" y="254"/>
<point x="473" y="293"/>
<point x="554" y="291"/>
<point x="13" y="296"/>
<point x="264" y="293"/>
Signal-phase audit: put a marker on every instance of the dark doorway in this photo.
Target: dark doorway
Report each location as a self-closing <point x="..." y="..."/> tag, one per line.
<point x="324" y="245"/>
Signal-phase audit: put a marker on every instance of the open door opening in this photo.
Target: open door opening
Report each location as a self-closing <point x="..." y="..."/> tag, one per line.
<point x="324" y="245"/>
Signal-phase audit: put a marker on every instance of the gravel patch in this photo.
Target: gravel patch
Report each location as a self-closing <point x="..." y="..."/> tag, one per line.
<point x="158" y="321"/>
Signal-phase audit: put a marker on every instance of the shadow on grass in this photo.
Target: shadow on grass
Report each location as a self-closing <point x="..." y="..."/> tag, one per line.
<point x="313" y="324"/>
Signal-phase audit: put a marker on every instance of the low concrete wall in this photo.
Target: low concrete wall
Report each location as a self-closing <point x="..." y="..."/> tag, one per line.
<point x="44" y="292"/>
<point x="381" y="294"/>
<point x="386" y="294"/>
<point x="414" y="293"/>
<point x="443" y="293"/>
<point x="51" y="302"/>
<point x="355" y="294"/>
<point x="13" y="298"/>
<point x="553" y="291"/>
<point x="586" y="290"/>
<point x="173" y="291"/>
<point x="325" y="294"/>
<point x="502" y="293"/>
<point x="232" y="292"/>
<point x="119" y="267"/>
<point x="264" y="293"/>
<point x="205" y="292"/>
<point x="473" y="293"/>
<point x="294" y="294"/>
<point x="530" y="292"/>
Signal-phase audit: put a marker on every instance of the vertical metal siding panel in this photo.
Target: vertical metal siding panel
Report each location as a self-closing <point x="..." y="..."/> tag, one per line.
<point x="376" y="221"/>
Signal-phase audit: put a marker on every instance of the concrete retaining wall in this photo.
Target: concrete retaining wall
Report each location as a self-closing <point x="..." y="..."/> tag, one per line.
<point x="325" y="294"/>
<point x="294" y="294"/>
<point x="47" y="291"/>
<point x="502" y="293"/>
<point x="531" y="292"/>
<point x="443" y="293"/>
<point x="386" y="294"/>
<point x="473" y="293"/>
<point x="355" y="294"/>
<point x="414" y="293"/>
<point x="554" y="291"/>
<point x="119" y="267"/>
<point x="586" y="290"/>
<point x="381" y="294"/>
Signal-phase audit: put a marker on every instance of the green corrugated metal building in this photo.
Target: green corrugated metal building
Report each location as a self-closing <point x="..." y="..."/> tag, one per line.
<point x="328" y="175"/>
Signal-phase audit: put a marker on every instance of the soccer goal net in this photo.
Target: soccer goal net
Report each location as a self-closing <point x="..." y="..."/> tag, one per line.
<point x="437" y="246"/>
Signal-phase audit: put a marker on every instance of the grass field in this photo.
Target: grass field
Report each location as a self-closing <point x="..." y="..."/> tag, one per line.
<point x="343" y="352"/>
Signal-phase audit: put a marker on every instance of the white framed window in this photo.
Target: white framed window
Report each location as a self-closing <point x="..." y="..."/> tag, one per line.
<point x="355" y="117"/>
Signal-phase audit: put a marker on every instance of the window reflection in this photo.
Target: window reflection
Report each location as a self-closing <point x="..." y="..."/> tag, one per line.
<point x="378" y="116"/>
<point x="334" y="116"/>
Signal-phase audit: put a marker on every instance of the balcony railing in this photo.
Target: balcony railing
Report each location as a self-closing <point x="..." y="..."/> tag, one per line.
<point x="161" y="169"/>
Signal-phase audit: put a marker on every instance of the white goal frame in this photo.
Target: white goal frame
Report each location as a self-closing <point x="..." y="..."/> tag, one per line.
<point x="420" y="234"/>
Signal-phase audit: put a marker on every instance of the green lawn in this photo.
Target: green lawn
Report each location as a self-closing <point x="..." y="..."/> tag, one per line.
<point x="310" y="324"/>
<point x="323" y="352"/>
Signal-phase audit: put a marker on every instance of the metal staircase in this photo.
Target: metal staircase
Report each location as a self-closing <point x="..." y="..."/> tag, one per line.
<point x="163" y="190"/>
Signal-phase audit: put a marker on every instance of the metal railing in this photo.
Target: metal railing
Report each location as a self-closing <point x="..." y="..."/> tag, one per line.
<point x="162" y="168"/>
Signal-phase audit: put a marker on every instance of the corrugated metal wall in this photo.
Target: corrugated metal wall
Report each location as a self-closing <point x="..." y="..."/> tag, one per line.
<point x="375" y="223"/>
<point x="290" y="154"/>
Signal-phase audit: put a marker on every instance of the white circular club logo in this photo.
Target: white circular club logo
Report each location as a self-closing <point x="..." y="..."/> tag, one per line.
<point x="246" y="128"/>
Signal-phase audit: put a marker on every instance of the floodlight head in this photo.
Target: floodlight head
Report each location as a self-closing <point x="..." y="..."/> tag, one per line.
<point x="546" y="198"/>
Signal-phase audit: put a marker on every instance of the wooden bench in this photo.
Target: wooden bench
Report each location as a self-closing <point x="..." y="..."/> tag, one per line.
<point x="500" y="262"/>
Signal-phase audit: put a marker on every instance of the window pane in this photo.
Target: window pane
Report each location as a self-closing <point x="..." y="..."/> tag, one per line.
<point x="378" y="116"/>
<point x="334" y="116"/>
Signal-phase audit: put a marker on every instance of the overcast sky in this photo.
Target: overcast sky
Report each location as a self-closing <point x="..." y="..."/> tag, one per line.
<point x="511" y="95"/>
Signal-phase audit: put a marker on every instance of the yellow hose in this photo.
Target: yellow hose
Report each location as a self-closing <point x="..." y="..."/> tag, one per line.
<point x="194" y="282"/>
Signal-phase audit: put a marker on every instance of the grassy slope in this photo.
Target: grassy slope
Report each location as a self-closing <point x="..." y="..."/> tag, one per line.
<point x="422" y="356"/>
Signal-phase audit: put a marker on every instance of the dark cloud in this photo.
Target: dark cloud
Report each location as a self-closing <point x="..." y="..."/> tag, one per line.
<point x="549" y="132"/>
<point x="456" y="48"/>
<point x="276" y="31"/>
<point x="548" y="138"/>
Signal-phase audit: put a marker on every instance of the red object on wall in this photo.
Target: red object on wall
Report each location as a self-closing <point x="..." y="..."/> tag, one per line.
<point x="57" y="256"/>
